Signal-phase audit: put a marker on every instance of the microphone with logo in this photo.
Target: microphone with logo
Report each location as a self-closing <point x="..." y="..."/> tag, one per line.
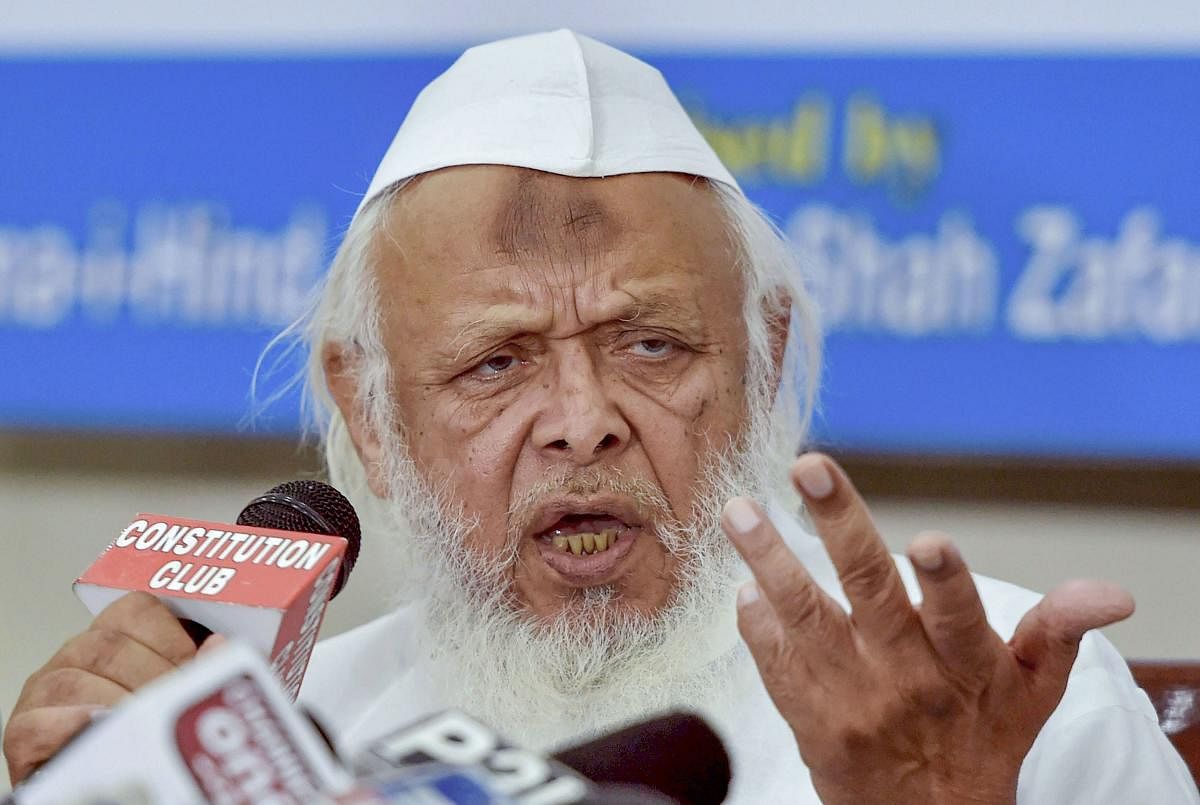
<point x="452" y="758"/>
<point x="219" y="729"/>
<point x="265" y="580"/>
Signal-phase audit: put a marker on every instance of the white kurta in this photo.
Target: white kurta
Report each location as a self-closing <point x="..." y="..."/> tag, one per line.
<point x="1102" y="744"/>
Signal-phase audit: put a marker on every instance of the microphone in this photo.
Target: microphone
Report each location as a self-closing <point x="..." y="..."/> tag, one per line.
<point x="309" y="507"/>
<point x="439" y="784"/>
<point x="219" y="729"/>
<point x="452" y="742"/>
<point x="677" y="754"/>
<point x="266" y="579"/>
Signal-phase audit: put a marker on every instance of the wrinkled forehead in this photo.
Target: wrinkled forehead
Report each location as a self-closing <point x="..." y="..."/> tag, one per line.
<point x="489" y="215"/>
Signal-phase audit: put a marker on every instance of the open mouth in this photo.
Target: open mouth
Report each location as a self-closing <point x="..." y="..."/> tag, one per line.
<point x="586" y="546"/>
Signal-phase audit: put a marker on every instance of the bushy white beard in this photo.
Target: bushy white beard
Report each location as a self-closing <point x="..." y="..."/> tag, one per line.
<point x="599" y="663"/>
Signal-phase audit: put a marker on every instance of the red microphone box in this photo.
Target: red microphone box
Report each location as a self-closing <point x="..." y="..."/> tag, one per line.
<point x="267" y="587"/>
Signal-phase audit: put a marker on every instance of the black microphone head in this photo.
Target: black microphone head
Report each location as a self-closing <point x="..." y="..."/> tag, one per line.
<point x="311" y="507"/>
<point x="676" y="754"/>
<point x="625" y="795"/>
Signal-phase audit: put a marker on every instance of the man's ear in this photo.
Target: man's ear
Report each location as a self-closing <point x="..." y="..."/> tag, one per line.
<point x="341" y="364"/>
<point x="779" y="321"/>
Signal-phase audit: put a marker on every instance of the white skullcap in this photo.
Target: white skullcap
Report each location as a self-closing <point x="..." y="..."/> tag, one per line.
<point x="557" y="102"/>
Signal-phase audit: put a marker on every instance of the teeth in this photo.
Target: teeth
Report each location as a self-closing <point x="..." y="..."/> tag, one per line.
<point x="585" y="542"/>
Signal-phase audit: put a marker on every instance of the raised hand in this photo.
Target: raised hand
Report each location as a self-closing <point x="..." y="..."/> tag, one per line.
<point x="895" y="703"/>
<point x="132" y="642"/>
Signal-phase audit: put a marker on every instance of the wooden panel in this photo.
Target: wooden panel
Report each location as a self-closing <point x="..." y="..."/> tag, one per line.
<point x="1035" y="480"/>
<point x="158" y="454"/>
<point x="1174" y="687"/>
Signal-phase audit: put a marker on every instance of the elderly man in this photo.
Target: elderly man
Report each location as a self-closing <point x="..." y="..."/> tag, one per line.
<point x="562" y="354"/>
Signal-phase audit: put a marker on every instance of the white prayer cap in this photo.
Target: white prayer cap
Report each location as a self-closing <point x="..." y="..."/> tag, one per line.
<point x="557" y="102"/>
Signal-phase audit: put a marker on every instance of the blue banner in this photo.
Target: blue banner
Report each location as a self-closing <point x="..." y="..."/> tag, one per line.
<point x="1006" y="249"/>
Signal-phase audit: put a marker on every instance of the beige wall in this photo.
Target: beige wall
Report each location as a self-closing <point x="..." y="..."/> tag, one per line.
<point x="54" y="521"/>
<point x="1155" y="554"/>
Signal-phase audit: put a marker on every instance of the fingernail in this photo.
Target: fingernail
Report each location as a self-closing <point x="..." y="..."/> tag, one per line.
<point x="927" y="556"/>
<point x="748" y="593"/>
<point x="742" y="515"/>
<point x="814" y="476"/>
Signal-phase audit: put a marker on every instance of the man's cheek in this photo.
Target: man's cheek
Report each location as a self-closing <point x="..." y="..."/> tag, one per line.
<point x="441" y="469"/>
<point x="454" y="442"/>
<point x="497" y="440"/>
<point x="708" y="391"/>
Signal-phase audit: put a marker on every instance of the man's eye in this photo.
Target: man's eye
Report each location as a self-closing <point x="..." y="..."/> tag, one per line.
<point x="653" y="347"/>
<point x="497" y="364"/>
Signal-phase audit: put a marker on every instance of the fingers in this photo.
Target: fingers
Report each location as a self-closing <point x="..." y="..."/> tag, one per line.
<point x="797" y="603"/>
<point x="94" y="671"/>
<point x="951" y="613"/>
<point x="147" y="620"/>
<point x="133" y="641"/>
<point x="69" y="686"/>
<point x="34" y="736"/>
<point x="878" y="600"/>
<point x="113" y="656"/>
<point x="1047" y="638"/>
<point x="758" y="624"/>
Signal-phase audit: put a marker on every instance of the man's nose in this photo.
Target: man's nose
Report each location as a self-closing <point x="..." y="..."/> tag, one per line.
<point x="580" y="422"/>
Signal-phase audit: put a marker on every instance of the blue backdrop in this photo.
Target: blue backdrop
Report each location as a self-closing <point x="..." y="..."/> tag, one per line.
<point x="1006" y="249"/>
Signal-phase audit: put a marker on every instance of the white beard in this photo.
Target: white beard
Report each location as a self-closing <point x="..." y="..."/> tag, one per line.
<point x="598" y="663"/>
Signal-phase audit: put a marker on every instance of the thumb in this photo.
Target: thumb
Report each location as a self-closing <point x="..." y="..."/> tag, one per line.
<point x="212" y="643"/>
<point x="1047" y="638"/>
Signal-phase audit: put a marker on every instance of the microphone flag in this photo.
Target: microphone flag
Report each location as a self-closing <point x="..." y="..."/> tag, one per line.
<point x="266" y="586"/>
